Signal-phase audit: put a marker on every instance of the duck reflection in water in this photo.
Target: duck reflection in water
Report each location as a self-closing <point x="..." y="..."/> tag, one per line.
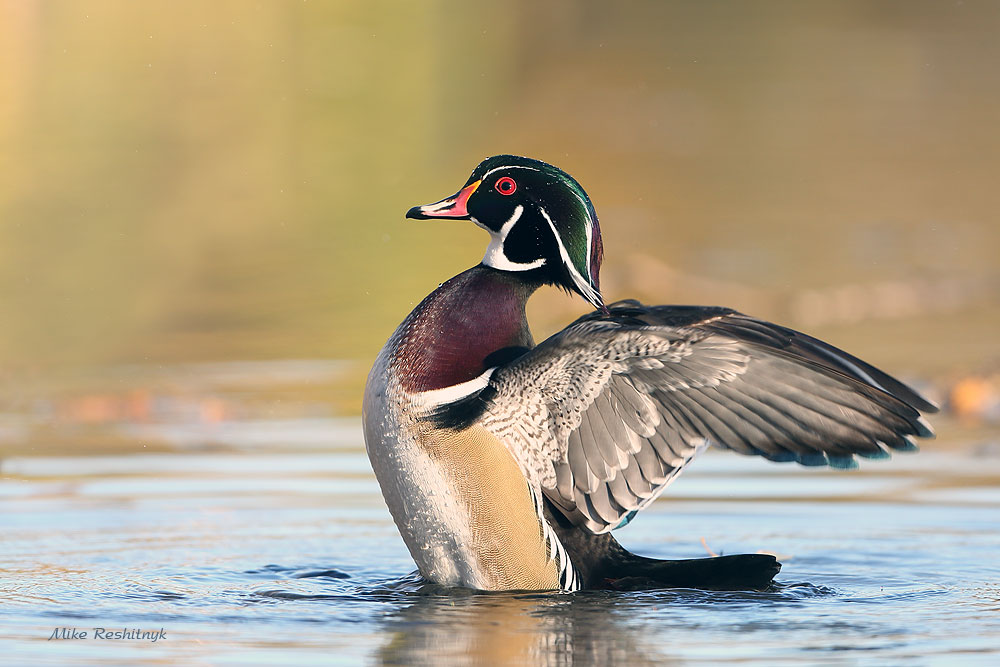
<point x="513" y="629"/>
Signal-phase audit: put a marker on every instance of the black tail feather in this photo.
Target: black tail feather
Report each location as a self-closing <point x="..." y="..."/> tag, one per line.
<point x="722" y="573"/>
<point x="602" y="563"/>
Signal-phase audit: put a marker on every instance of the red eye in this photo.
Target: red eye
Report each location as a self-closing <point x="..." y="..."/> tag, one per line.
<point x="506" y="185"/>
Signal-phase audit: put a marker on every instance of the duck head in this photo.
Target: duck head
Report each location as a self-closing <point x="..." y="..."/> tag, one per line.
<point x="539" y="220"/>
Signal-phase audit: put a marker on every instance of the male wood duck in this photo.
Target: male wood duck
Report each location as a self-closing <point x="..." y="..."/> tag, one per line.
<point x="506" y="465"/>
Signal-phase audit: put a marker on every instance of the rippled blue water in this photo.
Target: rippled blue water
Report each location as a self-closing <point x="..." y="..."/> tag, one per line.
<point x="265" y="555"/>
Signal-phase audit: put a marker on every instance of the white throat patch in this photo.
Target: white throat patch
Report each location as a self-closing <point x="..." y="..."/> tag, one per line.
<point x="495" y="256"/>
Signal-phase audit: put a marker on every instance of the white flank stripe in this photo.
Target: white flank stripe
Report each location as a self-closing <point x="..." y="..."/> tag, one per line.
<point x="435" y="397"/>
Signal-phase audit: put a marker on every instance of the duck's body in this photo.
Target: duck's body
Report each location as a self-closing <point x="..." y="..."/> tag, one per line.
<point x="506" y="465"/>
<point x="462" y="504"/>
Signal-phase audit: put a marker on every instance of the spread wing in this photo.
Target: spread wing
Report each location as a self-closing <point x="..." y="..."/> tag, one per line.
<point x="622" y="402"/>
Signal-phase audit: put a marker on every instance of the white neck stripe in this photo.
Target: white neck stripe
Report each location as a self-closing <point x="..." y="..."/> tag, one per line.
<point x="588" y="292"/>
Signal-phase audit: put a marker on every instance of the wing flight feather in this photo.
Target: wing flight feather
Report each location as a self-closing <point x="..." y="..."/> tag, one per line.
<point x="605" y="414"/>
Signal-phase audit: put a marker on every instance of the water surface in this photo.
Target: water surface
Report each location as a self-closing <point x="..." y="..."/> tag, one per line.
<point x="266" y="552"/>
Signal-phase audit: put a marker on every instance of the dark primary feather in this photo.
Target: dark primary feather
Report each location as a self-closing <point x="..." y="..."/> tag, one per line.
<point x="627" y="398"/>
<point x="732" y="323"/>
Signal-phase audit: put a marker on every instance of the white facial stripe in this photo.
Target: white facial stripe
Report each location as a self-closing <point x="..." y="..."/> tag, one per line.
<point x="590" y="233"/>
<point x="495" y="256"/>
<point x="509" y="166"/>
<point x="588" y="292"/>
<point x="435" y="397"/>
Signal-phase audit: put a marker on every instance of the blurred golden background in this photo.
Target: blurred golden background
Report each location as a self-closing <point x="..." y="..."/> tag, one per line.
<point x="187" y="188"/>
